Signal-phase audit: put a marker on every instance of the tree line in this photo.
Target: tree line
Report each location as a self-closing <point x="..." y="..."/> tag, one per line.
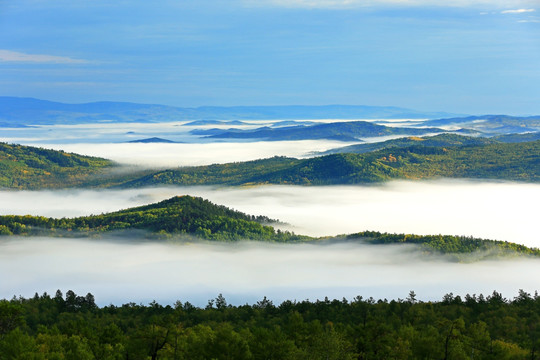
<point x="74" y="327"/>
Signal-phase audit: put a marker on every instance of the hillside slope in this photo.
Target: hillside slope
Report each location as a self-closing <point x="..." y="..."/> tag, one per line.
<point x="27" y="167"/>
<point x="180" y="215"/>
<point x="513" y="161"/>
<point x="441" y="140"/>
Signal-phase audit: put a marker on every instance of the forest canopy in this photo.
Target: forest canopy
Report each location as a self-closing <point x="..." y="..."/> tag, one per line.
<point x="470" y="327"/>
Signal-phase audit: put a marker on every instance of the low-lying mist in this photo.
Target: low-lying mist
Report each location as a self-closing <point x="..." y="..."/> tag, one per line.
<point x="119" y="272"/>
<point x="160" y="155"/>
<point x="490" y="210"/>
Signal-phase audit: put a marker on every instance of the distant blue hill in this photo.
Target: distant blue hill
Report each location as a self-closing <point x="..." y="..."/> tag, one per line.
<point x="153" y="140"/>
<point x="24" y="111"/>
<point x="492" y="124"/>
<point x="341" y="131"/>
<point x="213" y="122"/>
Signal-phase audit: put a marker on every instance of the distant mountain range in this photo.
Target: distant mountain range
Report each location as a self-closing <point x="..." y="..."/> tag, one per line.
<point x="15" y="111"/>
<point x="153" y="140"/>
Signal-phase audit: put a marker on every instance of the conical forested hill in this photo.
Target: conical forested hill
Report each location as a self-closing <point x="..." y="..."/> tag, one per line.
<point x="180" y="215"/>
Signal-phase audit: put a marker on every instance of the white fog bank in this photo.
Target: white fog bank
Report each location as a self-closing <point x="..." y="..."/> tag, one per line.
<point x="119" y="272"/>
<point x="491" y="210"/>
<point x="159" y="155"/>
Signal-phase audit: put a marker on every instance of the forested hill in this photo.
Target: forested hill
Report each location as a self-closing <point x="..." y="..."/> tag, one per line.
<point x="27" y="167"/>
<point x="513" y="161"/>
<point x="192" y="218"/>
<point x="181" y="215"/>
<point x="458" y="248"/>
<point x="441" y="140"/>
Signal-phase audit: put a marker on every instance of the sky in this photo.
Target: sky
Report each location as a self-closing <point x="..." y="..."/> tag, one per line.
<point x="466" y="56"/>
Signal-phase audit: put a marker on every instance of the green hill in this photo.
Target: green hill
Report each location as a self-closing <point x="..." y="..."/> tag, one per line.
<point x="183" y="215"/>
<point x="513" y="161"/>
<point x="457" y="246"/>
<point x="193" y="218"/>
<point x="441" y="140"/>
<point x="27" y="167"/>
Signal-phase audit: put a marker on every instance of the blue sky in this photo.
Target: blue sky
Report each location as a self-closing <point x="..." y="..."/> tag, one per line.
<point x="469" y="56"/>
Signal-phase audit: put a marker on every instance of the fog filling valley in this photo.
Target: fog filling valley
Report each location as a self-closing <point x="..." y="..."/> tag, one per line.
<point x="141" y="271"/>
<point x="490" y="210"/>
<point x="118" y="272"/>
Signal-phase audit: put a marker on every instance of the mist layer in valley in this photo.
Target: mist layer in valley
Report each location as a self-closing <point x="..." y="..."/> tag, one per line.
<point x="490" y="210"/>
<point x="166" y="155"/>
<point x="112" y="141"/>
<point x="119" y="271"/>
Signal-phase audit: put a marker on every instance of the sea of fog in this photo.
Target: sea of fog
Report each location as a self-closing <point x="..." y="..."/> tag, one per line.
<point x="490" y="210"/>
<point x="117" y="271"/>
<point x="130" y="270"/>
<point x="112" y="141"/>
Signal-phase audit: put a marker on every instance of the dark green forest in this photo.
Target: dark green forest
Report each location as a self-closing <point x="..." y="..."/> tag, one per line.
<point x="186" y="218"/>
<point x="73" y="327"/>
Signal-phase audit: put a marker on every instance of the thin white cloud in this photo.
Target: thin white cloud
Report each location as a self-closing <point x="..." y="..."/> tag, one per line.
<point x="517" y="11"/>
<point x="14" y="56"/>
<point x="340" y="4"/>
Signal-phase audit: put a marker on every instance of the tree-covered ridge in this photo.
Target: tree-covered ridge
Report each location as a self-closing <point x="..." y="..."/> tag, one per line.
<point x="530" y="136"/>
<point x="237" y="173"/>
<point x="458" y="246"/>
<point x="74" y="327"/>
<point x="492" y="124"/>
<point x="195" y="218"/>
<point x="27" y="167"/>
<point x="181" y="215"/>
<point x="513" y="161"/>
<point x="441" y="140"/>
<point x="343" y="131"/>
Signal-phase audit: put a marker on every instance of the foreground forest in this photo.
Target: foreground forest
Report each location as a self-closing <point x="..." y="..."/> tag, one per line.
<point x="74" y="327"/>
<point x="187" y="218"/>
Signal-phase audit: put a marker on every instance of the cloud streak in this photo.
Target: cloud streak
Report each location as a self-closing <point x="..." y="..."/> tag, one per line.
<point x="517" y="11"/>
<point x="19" y="57"/>
<point x="345" y="4"/>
